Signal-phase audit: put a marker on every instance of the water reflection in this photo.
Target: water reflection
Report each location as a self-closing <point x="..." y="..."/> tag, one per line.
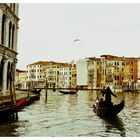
<point x="10" y="127"/>
<point x="115" y="125"/>
<point x="73" y="100"/>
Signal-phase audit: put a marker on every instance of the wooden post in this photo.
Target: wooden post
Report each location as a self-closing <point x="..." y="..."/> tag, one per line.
<point x="13" y="88"/>
<point x="13" y="97"/>
<point x="46" y="91"/>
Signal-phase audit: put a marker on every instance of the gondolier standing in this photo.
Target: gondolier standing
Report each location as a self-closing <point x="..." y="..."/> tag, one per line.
<point x="107" y="92"/>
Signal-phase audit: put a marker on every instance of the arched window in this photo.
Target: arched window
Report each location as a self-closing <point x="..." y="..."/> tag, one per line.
<point x="13" y="33"/>
<point x="9" y="40"/>
<point x="1" y="73"/>
<point x="3" y="29"/>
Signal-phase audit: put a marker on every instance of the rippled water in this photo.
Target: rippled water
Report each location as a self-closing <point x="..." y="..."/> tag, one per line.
<point x="72" y="115"/>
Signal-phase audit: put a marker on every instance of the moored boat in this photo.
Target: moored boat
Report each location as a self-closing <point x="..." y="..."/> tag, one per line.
<point x="25" y="102"/>
<point x="22" y="102"/>
<point x="36" y="91"/>
<point x="8" y="109"/>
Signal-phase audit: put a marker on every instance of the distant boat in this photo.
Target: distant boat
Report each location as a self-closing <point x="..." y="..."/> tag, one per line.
<point x="67" y="91"/>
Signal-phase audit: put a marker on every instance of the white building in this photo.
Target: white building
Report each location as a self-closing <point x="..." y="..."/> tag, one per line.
<point x="82" y="73"/>
<point x="8" y="44"/>
<point x="88" y="73"/>
<point x="36" y="74"/>
<point x="39" y="73"/>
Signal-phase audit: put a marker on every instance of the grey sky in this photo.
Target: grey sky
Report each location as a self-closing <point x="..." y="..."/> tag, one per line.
<point x="47" y="31"/>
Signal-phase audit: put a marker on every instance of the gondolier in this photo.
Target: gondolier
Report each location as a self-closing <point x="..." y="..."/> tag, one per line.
<point x="107" y="92"/>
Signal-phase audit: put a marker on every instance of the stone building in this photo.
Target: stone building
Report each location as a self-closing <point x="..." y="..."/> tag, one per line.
<point x="40" y="72"/>
<point x="115" y="69"/>
<point x="52" y="74"/>
<point x="20" y="79"/>
<point x="138" y="86"/>
<point x="65" y="76"/>
<point x="36" y="74"/>
<point x="131" y="73"/>
<point x="8" y="44"/>
<point x="119" y="72"/>
<point x="73" y="76"/>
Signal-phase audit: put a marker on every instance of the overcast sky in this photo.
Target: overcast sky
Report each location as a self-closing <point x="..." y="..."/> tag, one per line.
<point x="65" y="32"/>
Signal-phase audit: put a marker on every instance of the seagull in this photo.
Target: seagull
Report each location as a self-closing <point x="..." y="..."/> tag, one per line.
<point x="76" y="40"/>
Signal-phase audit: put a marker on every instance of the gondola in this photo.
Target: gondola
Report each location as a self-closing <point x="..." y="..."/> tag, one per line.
<point x="34" y="97"/>
<point x="8" y="109"/>
<point x="36" y="91"/>
<point x="25" y="102"/>
<point x="68" y="91"/>
<point x="111" y="110"/>
<point x="22" y="102"/>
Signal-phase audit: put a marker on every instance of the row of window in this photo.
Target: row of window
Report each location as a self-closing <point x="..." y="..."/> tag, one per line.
<point x="118" y="70"/>
<point x="118" y="63"/>
<point x="117" y="77"/>
<point x="64" y="73"/>
<point x="34" y="70"/>
<point x="35" y="66"/>
<point x="33" y="77"/>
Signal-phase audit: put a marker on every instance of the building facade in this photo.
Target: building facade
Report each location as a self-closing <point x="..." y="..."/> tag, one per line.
<point x="43" y="73"/>
<point x="88" y="73"/>
<point x="52" y="74"/>
<point x="119" y="72"/>
<point x="138" y="73"/>
<point x="122" y="73"/>
<point x="65" y="76"/>
<point x="20" y="79"/>
<point x="8" y="45"/>
<point x="36" y="74"/>
<point x="82" y="73"/>
<point x="131" y="73"/>
<point x="73" y="76"/>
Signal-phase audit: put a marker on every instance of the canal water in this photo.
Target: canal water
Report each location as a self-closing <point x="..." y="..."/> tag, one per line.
<point x="72" y="115"/>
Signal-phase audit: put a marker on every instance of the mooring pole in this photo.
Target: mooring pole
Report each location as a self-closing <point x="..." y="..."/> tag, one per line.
<point x="46" y="91"/>
<point x="12" y="91"/>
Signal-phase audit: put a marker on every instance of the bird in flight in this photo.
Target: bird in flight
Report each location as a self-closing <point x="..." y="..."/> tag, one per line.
<point x="76" y="40"/>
